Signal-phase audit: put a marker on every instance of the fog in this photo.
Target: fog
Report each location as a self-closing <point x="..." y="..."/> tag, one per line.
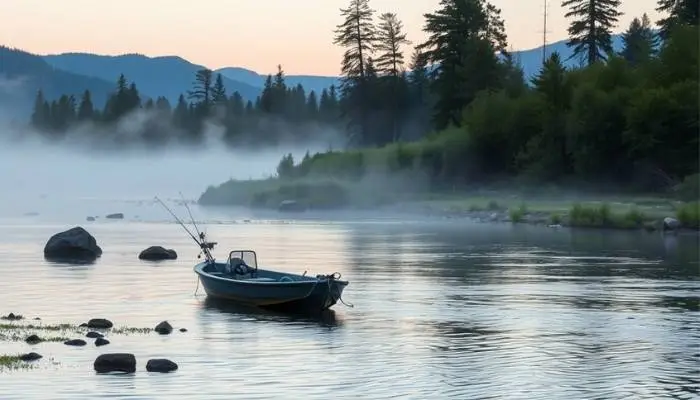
<point x="84" y="165"/>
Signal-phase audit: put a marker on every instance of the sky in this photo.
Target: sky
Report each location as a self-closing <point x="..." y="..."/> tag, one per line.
<point x="255" y="34"/>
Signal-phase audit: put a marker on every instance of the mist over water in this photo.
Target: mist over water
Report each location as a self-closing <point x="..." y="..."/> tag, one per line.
<point x="38" y="174"/>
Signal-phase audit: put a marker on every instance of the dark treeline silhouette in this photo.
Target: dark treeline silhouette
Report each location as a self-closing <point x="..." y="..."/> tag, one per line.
<point x="627" y="118"/>
<point x="459" y="109"/>
<point x="279" y="113"/>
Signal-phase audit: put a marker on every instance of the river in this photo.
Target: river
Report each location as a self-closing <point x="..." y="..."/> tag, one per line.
<point x="442" y="309"/>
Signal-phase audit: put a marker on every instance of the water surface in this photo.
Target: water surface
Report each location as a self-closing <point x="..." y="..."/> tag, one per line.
<point x="442" y="309"/>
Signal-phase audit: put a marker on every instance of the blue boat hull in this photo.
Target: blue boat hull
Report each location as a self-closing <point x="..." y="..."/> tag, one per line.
<point x="271" y="289"/>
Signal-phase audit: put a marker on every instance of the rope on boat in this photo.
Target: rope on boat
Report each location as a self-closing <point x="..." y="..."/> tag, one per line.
<point x="197" y="288"/>
<point x="329" y="279"/>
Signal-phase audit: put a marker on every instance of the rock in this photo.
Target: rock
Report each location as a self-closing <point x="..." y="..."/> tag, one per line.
<point x="83" y="325"/>
<point x="12" y="317"/>
<point x="163" y="328"/>
<point x="671" y="224"/>
<point x="160" y="365"/>
<point x="115" y="216"/>
<point x="183" y="330"/>
<point x="33" y="339"/>
<point x="30" y="356"/>
<point x="75" y="243"/>
<point x="99" y="323"/>
<point x="75" y="342"/>
<point x="94" y="335"/>
<point x="90" y="219"/>
<point x="115" y="362"/>
<point x="157" y="253"/>
<point x="101" y="342"/>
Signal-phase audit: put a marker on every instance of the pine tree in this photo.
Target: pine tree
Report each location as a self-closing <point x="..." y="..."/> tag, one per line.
<point x="464" y="37"/>
<point x="201" y="94"/>
<point x="639" y="41"/>
<point x="312" y="106"/>
<point x="86" y="110"/>
<point x="390" y="38"/>
<point x="357" y="35"/>
<point x="218" y="94"/>
<point x="591" y="28"/>
<point x="678" y="12"/>
<point x="265" y="101"/>
<point x="41" y="116"/>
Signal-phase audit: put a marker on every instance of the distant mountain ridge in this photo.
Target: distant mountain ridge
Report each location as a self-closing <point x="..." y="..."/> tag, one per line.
<point x="169" y="76"/>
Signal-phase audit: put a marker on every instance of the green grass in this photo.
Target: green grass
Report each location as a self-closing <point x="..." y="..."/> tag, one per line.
<point x="688" y="214"/>
<point x="55" y="333"/>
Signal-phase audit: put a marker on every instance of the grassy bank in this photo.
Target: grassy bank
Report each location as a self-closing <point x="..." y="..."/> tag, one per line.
<point x="544" y="206"/>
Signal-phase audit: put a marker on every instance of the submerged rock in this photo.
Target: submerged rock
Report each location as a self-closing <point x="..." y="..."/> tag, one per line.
<point x="163" y="328"/>
<point x="75" y="342"/>
<point x="75" y="244"/>
<point x="101" y="342"/>
<point x="33" y="339"/>
<point x="157" y="253"/>
<point x="160" y="365"/>
<point x="115" y="362"/>
<point x="12" y="317"/>
<point x="90" y="219"/>
<point x="99" y="323"/>
<point x="115" y="216"/>
<point x="94" y="335"/>
<point x="30" y="356"/>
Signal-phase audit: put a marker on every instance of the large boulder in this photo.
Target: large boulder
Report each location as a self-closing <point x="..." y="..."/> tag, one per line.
<point x="160" y="365"/>
<point x="74" y="244"/>
<point x="115" y="362"/>
<point x="157" y="253"/>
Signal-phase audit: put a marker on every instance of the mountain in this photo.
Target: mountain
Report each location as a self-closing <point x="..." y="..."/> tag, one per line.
<point x="531" y="60"/>
<point x="22" y="74"/>
<point x="309" y="82"/>
<point x="167" y="76"/>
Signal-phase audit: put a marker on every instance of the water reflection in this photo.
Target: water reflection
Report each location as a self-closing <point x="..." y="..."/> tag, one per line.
<point x="233" y="311"/>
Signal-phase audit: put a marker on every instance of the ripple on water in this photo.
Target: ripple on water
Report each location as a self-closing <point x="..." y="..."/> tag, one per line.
<point x="440" y="312"/>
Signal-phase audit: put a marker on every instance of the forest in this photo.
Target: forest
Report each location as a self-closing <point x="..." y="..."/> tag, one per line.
<point x="458" y="110"/>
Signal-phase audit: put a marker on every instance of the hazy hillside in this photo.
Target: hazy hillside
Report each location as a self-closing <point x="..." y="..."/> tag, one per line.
<point x="167" y="76"/>
<point x="22" y="74"/>
<point x="310" y="82"/>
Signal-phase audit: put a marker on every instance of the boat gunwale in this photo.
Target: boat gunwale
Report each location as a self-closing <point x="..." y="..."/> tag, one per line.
<point x="199" y="269"/>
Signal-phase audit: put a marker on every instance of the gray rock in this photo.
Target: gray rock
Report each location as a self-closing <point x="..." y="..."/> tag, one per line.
<point x="157" y="253"/>
<point x="75" y="342"/>
<point x="115" y="216"/>
<point x="115" y="362"/>
<point x="30" y="356"/>
<point x="94" y="335"/>
<point x="163" y="328"/>
<point x="74" y="244"/>
<point x="33" y="339"/>
<point x="99" y="323"/>
<point x="671" y="224"/>
<point x="160" y="365"/>
<point x="101" y="342"/>
<point x="90" y="219"/>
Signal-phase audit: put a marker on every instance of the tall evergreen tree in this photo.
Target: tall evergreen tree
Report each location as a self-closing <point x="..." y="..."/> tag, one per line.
<point x="678" y="12"/>
<point x="357" y="35"/>
<point x="390" y="38"/>
<point x="639" y="41"/>
<point x="463" y="39"/>
<point x="218" y="92"/>
<point x="201" y="93"/>
<point x="591" y="27"/>
<point x="85" y="109"/>
<point x="41" y="116"/>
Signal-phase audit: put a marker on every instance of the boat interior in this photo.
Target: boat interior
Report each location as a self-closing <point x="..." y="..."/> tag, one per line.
<point x="242" y="265"/>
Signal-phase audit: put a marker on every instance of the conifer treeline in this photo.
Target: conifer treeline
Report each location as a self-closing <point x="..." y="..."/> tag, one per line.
<point x="623" y="118"/>
<point x="280" y="111"/>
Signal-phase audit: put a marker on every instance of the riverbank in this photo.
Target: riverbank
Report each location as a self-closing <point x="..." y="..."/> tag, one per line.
<point x="545" y="207"/>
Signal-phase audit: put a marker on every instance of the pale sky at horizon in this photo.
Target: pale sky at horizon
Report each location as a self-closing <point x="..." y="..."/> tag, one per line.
<point x="253" y="34"/>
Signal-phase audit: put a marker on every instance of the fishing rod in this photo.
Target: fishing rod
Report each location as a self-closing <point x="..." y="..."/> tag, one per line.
<point x="182" y="224"/>
<point x="194" y="223"/>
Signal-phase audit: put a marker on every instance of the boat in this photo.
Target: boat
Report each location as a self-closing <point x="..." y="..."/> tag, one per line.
<point x="239" y="279"/>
